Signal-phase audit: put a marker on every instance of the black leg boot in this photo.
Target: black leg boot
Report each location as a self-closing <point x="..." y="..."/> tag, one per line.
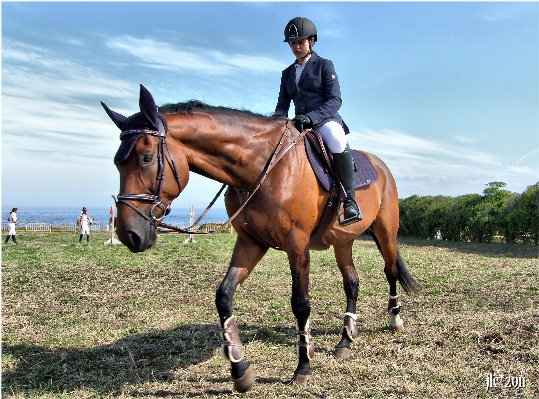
<point x="344" y="167"/>
<point x="80" y="238"/>
<point x="14" y="239"/>
<point x="88" y="238"/>
<point x="7" y="239"/>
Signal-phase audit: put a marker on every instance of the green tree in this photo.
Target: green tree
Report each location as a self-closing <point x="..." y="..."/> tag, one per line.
<point x="413" y="217"/>
<point x="458" y="215"/>
<point x="529" y="214"/>
<point x="509" y="219"/>
<point x="435" y="214"/>
<point x="485" y="222"/>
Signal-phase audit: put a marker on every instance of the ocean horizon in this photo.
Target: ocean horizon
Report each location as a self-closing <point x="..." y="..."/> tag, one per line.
<point x="60" y="215"/>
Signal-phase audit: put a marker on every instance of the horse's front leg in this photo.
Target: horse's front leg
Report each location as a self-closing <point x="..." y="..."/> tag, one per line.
<point x="343" y="256"/>
<point x="301" y="307"/>
<point x="245" y="256"/>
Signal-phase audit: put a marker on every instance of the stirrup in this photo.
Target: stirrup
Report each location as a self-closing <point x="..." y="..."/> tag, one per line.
<point x="356" y="218"/>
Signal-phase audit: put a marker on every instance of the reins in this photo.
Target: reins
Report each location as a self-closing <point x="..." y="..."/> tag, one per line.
<point x="276" y="156"/>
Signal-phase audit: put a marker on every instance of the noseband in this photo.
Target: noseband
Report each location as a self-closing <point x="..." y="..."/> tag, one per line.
<point x="156" y="198"/>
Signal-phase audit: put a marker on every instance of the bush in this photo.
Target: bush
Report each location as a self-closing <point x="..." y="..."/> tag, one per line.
<point x="528" y="212"/>
<point x="474" y="217"/>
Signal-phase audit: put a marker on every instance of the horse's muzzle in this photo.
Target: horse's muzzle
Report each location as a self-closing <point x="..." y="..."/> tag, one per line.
<point x="137" y="240"/>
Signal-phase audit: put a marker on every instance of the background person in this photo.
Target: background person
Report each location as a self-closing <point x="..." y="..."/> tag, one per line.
<point x="84" y="223"/>
<point x="12" y="220"/>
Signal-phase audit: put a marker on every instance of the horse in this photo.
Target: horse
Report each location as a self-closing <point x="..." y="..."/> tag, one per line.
<point x="277" y="199"/>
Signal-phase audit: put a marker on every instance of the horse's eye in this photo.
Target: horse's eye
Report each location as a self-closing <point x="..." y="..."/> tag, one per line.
<point x="147" y="158"/>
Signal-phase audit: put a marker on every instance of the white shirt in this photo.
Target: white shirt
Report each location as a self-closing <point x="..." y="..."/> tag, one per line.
<point x="300" y="68"/>
<point x="12" y="217"/>
<point x="84" y="219"/>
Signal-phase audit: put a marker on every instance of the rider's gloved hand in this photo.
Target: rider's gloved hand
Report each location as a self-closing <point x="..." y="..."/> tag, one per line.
<point x="302" y="122"/>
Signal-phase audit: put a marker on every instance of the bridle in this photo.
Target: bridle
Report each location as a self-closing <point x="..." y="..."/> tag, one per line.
<point x="156" y="198"/>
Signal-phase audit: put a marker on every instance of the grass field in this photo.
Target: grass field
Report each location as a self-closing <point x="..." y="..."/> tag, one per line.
<point x="95" y="321"/>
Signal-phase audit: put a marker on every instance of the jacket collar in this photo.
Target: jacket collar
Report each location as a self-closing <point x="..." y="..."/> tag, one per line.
<point x="309" y="65"/>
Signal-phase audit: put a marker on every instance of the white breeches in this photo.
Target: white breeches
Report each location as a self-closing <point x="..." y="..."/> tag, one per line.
<point x="11" y="229"/>
<point x="85" y="230"/>
<point x="334" y="136"/>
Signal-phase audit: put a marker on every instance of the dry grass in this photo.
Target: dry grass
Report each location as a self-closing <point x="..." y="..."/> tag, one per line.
<point x="95" y="321"/>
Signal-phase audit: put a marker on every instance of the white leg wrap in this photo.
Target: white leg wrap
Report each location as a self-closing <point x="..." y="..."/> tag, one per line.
<point x="307" y="337"/>
<point x="231" y="349"/>
<point x="350" y="326"/>
<point x="395" y="320"/>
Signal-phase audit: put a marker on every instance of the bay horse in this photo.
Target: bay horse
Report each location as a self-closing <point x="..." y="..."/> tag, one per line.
<point x="262" y="160"/>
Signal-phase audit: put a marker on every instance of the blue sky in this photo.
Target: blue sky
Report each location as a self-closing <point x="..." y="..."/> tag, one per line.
<point x="445" y="93"/>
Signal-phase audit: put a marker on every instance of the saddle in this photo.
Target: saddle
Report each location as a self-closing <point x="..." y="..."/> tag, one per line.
<point x="322" y="164"/>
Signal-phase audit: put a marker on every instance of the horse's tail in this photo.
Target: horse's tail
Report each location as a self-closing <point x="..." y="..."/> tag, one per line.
<point x="407" y="282"/>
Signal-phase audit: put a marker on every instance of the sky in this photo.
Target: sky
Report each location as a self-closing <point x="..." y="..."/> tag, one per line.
<point x="445" y="93"/>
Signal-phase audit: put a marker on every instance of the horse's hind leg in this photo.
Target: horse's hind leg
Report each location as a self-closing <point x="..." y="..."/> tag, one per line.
<point x="395" y="270"/>
<point x="386" y="242"/>
<point x="343" y="256"/>
<point x="244" y="258"/>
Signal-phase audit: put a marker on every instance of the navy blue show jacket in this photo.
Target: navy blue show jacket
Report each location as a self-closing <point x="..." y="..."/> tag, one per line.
<point x="317" y="95"/>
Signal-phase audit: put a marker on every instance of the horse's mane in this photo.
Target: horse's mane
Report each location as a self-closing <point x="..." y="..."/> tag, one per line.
<point x="194" y="105"/>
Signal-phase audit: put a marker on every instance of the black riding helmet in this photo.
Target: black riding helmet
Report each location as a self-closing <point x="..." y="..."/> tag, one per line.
<point x="298" y="29"/>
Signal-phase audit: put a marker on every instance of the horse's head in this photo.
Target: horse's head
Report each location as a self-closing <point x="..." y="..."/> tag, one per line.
<point x="150" y="178"/>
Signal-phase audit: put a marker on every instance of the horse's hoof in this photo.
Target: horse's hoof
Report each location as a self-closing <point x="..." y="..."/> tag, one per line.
<point x="342" y="353"/>
<point x="246" y="381"/>
<point x="397" y="327"/>
<point x="302" y="379"/>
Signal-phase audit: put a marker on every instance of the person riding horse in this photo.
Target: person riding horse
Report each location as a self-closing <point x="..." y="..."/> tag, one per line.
<point x="312" y="84"/>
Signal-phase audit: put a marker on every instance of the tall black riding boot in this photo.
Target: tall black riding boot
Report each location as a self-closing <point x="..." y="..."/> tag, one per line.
<point x="14" y="239"/>
<point x="7" y="238"/>
<point x="80" y="238"/>
<point x="88" y="238"/>
<point x="344" y="167"/>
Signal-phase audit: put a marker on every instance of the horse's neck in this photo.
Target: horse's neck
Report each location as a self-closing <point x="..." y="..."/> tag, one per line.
<point x="231" y="153"/>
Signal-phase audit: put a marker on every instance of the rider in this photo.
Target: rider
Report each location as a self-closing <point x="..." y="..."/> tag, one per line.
<point x="312" y="84"/>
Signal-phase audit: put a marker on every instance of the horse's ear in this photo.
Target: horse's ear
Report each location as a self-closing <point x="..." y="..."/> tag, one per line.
<point x="117" y="118"/>
<point x="148" y="109"/>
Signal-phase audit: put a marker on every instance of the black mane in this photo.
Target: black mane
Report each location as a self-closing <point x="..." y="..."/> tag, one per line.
<point x="194" y="105"/>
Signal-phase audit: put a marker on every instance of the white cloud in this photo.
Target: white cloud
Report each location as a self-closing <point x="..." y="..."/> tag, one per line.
<point x="166" y="56"/>
<point x="467" y="139"/>
<point x="528" y="155"/>
<point x="56" y="138"/>
<point x="394" y="143"/>
<point x="428" y="167"/>
<point x="523" y="171"/>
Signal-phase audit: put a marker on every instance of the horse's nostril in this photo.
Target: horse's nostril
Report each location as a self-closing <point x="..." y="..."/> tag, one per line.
<point x="134" y="242"/>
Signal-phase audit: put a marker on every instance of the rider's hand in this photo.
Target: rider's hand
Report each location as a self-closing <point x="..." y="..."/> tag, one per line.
<point x="302" y="121"/>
